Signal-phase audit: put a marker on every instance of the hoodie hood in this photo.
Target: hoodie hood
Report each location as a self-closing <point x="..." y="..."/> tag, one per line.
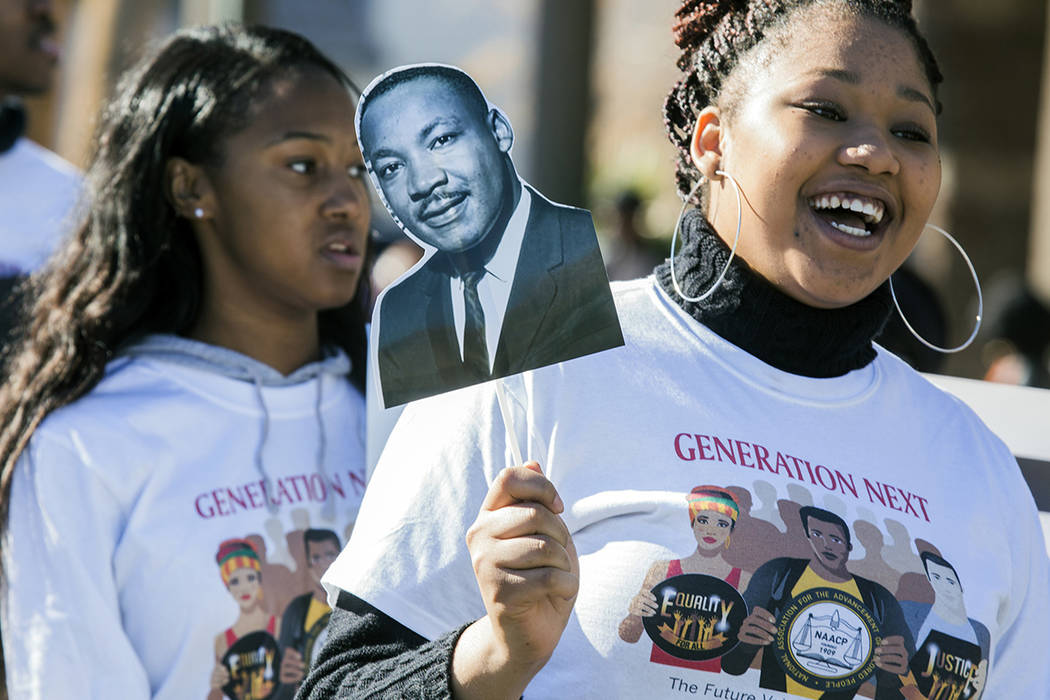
<point x="234" y="365"/>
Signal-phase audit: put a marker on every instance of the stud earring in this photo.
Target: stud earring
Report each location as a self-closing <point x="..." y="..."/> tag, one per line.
<point x="732" y="251"/>
<point x="198" y="213"/>
<point x="980" y="300"/>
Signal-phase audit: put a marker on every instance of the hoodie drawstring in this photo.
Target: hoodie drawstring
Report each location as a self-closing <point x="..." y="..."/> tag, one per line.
<point x="264" y="432"/>
<point x="328" y="510"/>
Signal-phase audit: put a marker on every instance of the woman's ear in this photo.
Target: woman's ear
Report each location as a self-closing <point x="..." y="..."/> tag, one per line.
<point x="188" y="190"/>
<point x="706" y="144"/>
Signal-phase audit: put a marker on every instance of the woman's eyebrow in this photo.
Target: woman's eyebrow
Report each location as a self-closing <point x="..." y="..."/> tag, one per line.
<point x="295" y="134"/>
<point x="903" y="91"/>
<point x="913" y="95"/>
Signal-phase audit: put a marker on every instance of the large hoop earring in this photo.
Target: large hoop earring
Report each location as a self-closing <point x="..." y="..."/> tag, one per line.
<point x="980" y="300"/>
<point x="732" y="251"/>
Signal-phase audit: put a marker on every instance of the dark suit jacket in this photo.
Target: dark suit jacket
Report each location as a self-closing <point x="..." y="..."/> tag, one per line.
<point x="560" y="307"/>
<point x="770" y="588"/>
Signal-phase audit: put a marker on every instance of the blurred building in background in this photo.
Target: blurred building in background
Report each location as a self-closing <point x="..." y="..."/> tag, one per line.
<point x="583" y="82"/>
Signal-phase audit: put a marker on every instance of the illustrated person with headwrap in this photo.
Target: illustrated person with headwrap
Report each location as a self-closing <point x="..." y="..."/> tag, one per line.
<point x="246" y="660"/>
<point x="713" y="514"/>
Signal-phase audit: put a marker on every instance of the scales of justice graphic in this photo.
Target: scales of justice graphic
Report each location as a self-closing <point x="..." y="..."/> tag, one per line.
<point x="826" y="640"/>
<point x="830" y="643"/>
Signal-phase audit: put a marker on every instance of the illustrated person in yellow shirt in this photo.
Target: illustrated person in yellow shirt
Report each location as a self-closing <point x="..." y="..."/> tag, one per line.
<point x="306" y="617"/>
<point x="826" y="619"/>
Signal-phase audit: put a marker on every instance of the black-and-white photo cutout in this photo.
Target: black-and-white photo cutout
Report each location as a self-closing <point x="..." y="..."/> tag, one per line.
<point x="510" y="280"/>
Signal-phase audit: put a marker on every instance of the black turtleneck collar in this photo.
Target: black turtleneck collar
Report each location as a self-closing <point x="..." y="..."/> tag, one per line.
<point x="754" y="315"/>
<point x="12" y="123"/>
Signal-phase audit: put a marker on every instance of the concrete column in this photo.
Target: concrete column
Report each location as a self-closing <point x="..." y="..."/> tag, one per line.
<point x="1038" y="268"/>
<point x="563" y="99"/>
<point x="210" y="11"/>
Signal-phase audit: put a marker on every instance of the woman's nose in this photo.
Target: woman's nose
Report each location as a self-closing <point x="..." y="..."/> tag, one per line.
<point x="872" y="151"/>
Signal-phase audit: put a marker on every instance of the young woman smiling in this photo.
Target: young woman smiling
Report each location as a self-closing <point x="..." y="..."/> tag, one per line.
<point x="190" y="375"/>
<point x="806" y="133"/>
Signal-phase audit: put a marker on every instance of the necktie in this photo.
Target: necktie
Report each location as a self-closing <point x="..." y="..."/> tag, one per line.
<point x="475" y="352"/>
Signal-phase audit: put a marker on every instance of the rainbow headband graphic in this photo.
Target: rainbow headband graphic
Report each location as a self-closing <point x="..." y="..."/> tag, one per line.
<point x="236" y="554"/>
<point x="711" y="498"/>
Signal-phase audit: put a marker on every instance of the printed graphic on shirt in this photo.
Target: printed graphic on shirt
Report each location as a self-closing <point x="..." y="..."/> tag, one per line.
<point x="690" y="607"/>
<point x="951" y="657"/>
<point x="282" y="610"/>
<point x="698" y="617"/>
<point x="776" y="589"/>
<point x="246" y="652"/>
<point x="946" y="668"/>
<point x="252" y="662"/>
<point x="826" y="640"/>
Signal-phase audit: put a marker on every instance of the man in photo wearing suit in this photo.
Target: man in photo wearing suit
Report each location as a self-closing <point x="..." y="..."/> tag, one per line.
<point x="515" y="282"/>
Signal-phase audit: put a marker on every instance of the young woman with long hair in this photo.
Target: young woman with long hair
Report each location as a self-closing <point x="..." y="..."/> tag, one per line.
<point x="190" y="372"/>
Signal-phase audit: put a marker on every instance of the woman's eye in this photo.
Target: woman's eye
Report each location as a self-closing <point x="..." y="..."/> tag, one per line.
<point x="356" y="171"/>
<point x="824" y="110"/>
<point x="913" y="133"/>
<point x="303" y="167"/>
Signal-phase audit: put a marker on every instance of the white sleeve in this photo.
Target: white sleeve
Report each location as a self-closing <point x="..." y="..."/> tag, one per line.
<point x="407" y="555"/>
<point x="1018" y="667"/>
<point x="61" y="617"/>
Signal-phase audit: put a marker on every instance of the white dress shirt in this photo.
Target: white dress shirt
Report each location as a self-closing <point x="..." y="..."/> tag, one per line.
<point x="494" y="288"/>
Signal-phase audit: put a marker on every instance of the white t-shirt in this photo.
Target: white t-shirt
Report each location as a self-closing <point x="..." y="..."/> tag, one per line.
<point x="38" y="192"/>
<point x="121" y="506"/>
<point x="626" y="434"/>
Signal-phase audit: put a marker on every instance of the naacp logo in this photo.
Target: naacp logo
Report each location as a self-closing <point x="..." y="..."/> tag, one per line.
<point x="826" y="640"/>
<point x="697" y="616"/>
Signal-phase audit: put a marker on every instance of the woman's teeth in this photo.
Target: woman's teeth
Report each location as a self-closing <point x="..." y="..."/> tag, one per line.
<point x="851" y="230"/>
<point x="871" y="210"/>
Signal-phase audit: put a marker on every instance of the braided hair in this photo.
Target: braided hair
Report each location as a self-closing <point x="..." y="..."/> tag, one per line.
<point x="715" y="36"/>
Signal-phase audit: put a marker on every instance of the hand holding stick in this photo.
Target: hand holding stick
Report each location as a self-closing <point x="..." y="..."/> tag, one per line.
<point x="528" y="573"/>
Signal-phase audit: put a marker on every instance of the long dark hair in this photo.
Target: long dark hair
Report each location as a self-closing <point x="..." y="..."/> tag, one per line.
<point x="131" y="266"/>
<point x="714" y="35"/>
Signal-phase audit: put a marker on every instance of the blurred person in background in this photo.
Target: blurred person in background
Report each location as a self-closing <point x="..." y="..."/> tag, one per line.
<point x="630" y="253"/>
<point x="37" y="188"/>
<point x="189" y="379"/>
<point x="393" y="260"/>
<point x="1017" y="340"/>
<point x="920" y="303"/>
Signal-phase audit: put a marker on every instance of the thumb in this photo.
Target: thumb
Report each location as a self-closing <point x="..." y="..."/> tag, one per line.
<point x="532" y="465"/>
